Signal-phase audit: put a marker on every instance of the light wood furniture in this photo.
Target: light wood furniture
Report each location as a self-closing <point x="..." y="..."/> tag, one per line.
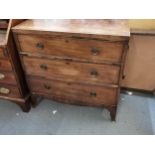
<point x="12" y="83"/>
<point x="141" y="24"/>
<point x="74" y="61"/>
<point x="139" y="66"/>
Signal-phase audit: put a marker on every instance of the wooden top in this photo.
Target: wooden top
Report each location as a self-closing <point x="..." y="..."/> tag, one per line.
<point x="143" y="31"/>
<point x="77" y="26"/>
<point x="142" y="24"/>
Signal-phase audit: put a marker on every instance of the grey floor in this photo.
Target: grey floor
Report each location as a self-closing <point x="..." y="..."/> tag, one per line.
<point x="135" y="115"/>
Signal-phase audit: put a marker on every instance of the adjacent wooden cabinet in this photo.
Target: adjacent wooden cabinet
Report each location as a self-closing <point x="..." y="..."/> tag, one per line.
<point x="140" y="62"/>
<point x="12" y="81"/>
<point x="74" y="61"/>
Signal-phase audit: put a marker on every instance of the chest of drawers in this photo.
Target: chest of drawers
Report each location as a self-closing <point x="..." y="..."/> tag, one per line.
<point x="74" y="61"/>
<point x="12" y="82"/>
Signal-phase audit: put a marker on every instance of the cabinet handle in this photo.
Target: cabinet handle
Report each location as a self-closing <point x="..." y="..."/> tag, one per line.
<point x="2" y="76"/>
<point x="44" y="66"/>
<point x="94" y="73"/>
<point x="4" y="91"/>
<point x="93" y="94"/>
<point x="95" y="51"/>
<point x="40" y="45"/>
<point x="123" y="76"/>
<point x="47" y="86"/>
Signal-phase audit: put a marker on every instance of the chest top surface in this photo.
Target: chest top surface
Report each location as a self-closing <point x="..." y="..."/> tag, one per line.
<point x="109" y="27"/>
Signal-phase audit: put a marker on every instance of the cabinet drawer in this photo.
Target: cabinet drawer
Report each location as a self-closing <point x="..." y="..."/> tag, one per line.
<point x="7" y="78"/>
<point x="74" y="93"/>
<point x="80" y="49"/>
<point x="5" y="65"/>
<point x="9" y="91"/>
<point x="72" y="71"/>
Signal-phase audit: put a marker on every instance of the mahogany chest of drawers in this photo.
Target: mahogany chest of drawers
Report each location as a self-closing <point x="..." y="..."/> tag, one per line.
<point x="74" y="61"/>
<point x="12" y="83"/>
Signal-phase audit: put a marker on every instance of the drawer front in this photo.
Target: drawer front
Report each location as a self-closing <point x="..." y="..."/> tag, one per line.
<point x="72" y="71"/>
<point x="9" y="91"/>
<point x="88" y="50"/>
<point x="5" y="65"/>
<point x="74" y="93"/>
<point x="7" y="78"/>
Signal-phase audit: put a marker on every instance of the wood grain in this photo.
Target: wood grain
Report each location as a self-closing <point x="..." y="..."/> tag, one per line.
<point x="72" y="71"/>
<point x="69" y="48"/>
<point x="9" y="78"/>
<point x="11" y="73"/>
<point x="73" y="93"/>
<point x="77" y="26"/>
<point x="74" y="61"/>
<point x="5" y="65"/>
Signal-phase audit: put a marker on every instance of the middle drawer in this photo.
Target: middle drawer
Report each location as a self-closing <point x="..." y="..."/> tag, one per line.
<point x="72" y="71"/>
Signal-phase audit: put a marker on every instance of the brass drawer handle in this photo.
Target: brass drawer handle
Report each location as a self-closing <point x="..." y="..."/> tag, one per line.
<point x="93" y="94"/>
<point x="40" y="45"/>
<point x="123" y="76"/>
<point x="94" y="73"/>
<point x="47" y="86"/>
<point x="4" y="91"/>
<point x="95" y="51"/>
<point x="44" y="66"/>
<point x="2" y="76"/>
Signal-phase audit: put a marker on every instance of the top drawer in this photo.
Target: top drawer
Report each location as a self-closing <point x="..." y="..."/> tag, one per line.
<point x="77" y="49"/>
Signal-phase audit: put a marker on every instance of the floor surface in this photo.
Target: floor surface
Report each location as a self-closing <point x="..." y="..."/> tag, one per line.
<point x="135" y="115"/>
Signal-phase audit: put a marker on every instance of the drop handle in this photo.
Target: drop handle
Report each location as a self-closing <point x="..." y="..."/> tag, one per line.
<point x="94" y="73"/>
<point x="95" y="51"/>
<point x="123" y="76"/>
<point x="2" y="76"/>
<point x="47" y="86"/>
<point x="40" y="45"/>
<point x="44" y="66"/>
<point x="93" y="94"/>
<point x="4" y="91"/>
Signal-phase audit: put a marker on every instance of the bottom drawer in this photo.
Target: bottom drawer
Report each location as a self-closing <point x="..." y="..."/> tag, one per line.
<point x="74" y="93"/>
<point x="9" y="91"/>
